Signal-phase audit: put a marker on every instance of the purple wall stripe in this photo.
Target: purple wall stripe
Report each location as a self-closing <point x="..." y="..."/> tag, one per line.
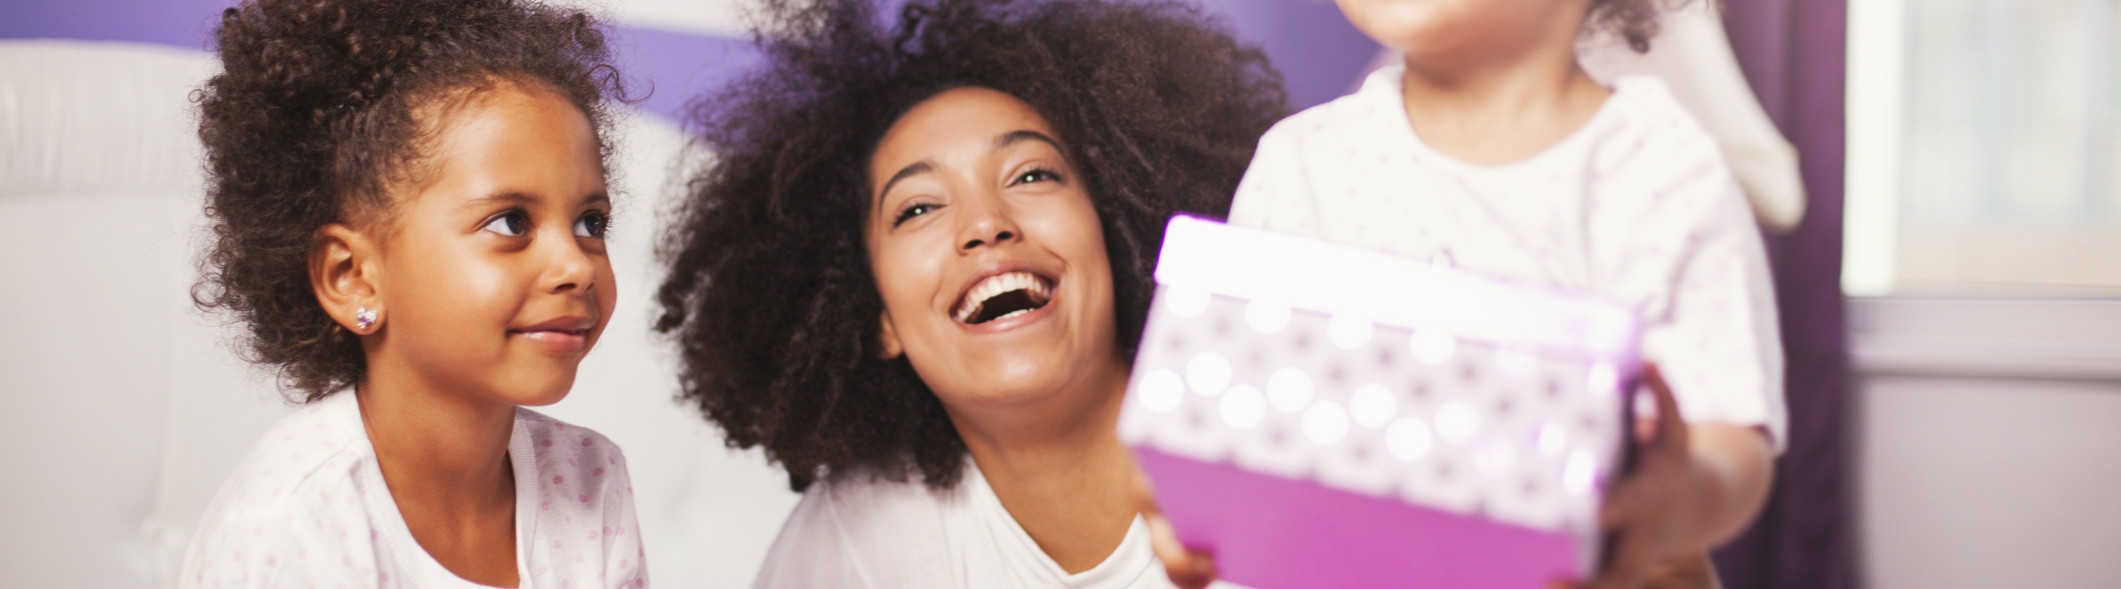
<point x="1318" y="52"/>
<point x="183" y="23"/>
<point x="669" y="70"/>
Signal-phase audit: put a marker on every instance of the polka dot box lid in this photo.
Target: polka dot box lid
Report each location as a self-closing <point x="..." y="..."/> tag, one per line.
<point x="1322" y="415"/>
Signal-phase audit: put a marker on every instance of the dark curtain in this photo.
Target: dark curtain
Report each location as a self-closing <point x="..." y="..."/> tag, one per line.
<point x="1793" y="52"/>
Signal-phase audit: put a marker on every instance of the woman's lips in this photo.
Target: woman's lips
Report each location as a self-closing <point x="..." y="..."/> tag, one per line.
<point x="1020" y="291"/>
<point x="1014" y="320"/>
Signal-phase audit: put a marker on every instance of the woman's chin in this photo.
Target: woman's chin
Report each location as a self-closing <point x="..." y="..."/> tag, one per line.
<point x="1028" y="383"/>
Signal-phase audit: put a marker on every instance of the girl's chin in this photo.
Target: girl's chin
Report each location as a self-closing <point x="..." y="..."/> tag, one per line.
<point x="545" y="388"/>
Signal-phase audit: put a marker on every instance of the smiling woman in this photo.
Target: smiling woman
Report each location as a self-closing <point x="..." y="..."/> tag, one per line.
<point x="989" y="257"/>
<point x="932" y="241"/>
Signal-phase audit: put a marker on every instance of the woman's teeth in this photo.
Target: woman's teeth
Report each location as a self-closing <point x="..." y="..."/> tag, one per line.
<point x="1035" y="294"/>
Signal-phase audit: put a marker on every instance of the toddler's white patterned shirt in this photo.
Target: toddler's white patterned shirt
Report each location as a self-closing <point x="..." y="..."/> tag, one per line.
<point x="1636" y="206"/>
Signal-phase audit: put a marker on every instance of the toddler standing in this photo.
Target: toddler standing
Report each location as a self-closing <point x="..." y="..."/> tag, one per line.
<point x="1490" y="149"/>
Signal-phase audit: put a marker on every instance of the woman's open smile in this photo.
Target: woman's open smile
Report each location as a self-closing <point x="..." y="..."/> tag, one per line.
<point x="988" y="252"/>
<point x="1004" y="299"/>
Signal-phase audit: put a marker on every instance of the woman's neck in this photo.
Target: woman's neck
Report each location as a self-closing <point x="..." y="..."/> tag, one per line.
<point x="1504" y="106"/>
<point x="1061" y="471"/>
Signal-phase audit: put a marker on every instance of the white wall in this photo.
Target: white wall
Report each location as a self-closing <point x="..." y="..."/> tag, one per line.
<point x="1989" y="440"/>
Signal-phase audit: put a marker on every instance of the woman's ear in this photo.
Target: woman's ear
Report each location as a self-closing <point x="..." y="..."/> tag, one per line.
<point x="342" y="272"/>
<point x="888" y="337"/>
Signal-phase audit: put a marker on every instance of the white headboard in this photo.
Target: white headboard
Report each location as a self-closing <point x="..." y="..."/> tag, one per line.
<point x="122" y="406"/>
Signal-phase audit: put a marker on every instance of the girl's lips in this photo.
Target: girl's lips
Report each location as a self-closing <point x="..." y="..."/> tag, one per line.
<point x="565" y="335"/>
<point x="558" y="342"/>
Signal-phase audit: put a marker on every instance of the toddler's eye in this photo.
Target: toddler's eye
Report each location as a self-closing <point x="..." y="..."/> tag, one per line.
<point x="512" y="223"/>
<point x="592" y="224"/>
<point x="910" y="212"/>
<point x="1039" y="175"/>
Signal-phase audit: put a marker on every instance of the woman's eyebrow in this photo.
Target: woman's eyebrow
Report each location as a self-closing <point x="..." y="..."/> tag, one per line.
<point x="1020" y="135"/>
<point x="919" y="167"/>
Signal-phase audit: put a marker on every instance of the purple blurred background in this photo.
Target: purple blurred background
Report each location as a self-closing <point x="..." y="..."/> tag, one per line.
<point x="1792" y="52"/>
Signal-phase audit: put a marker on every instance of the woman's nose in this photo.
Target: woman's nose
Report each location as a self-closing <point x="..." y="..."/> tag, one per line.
<point x="989" y="224"/>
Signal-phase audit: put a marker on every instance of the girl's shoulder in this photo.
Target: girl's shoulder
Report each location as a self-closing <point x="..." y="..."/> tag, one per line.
<point x="576" y="496"/>
<point x="313" y="452"/>
<point x="295" y="508"/>
<point x="570" y="462"/>
<point x="550" y="436"/>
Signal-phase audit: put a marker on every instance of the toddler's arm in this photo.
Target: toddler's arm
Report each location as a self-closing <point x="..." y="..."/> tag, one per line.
<point x="1694" y="487"/>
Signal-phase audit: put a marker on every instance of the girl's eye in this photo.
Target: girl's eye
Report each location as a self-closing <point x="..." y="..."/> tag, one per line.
<point x="908" y="213"/>
<point x="512" y="223"/>
<point x="1038" y="175"/>
<point x="592" y="224"/>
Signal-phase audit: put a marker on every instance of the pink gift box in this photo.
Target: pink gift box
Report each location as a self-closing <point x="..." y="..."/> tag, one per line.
<point x="1319" y="415"/>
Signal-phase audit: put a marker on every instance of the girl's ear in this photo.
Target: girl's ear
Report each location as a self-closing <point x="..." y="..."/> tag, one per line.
<point x="342" y="271"/>
<point x="888" y="337"/>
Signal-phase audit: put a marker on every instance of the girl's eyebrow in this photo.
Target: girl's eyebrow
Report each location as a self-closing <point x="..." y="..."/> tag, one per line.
<point x="521" y="199"/>
<point x="515" y="198"/>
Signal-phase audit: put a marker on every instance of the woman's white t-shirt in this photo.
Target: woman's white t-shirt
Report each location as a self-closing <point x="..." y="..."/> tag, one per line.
<point x="308" y="508"/>
<point x="858" y="533"/>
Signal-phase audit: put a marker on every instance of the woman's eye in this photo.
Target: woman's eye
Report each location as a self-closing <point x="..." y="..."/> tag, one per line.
<point x="592" y="224"/>
<point x="513" y="223"/>
<point x="1036" y="176"/>
<point x="910" y="212"/>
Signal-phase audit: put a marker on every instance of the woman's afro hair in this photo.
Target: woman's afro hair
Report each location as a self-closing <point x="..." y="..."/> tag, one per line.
<point x="770" y="296"/>
<point x="313" y="119"/>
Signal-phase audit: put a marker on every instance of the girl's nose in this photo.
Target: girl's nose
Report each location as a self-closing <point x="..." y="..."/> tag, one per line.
<point x="568" y="266"/>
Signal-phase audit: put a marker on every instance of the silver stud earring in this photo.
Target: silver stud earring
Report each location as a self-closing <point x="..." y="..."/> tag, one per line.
<point x="364" y="318"/>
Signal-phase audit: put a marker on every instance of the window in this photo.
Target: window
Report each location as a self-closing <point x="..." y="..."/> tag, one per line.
<point x="1984" y="148"/>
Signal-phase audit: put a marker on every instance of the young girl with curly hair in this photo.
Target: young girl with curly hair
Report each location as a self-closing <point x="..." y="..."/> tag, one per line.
<point x="409" y="202"/>
<point x="1489" y="148"/>
<point x="918" y="265"/>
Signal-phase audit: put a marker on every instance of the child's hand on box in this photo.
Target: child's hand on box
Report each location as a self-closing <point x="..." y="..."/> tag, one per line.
<point x="1692" y="487"/>
<point x="1188" y="568"/>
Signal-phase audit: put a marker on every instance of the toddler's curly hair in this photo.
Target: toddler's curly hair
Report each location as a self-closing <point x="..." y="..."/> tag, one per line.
<point x="770" y="296"/>
<point x="317" y="115"/>
<point x="1632" y="21"/>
